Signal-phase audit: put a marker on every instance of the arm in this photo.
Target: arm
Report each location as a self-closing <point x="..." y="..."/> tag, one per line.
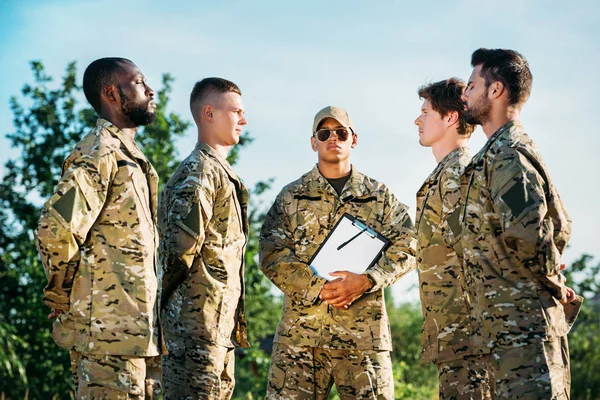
<point x="528" y="225"/>
<point x="399" y="258"/>
<point x="65" y="221"/>
<point x="190" y="208"/>
<point x="278" y="260"/>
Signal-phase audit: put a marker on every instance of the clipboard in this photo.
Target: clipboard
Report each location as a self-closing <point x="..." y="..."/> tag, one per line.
<point x="350" y="246"/>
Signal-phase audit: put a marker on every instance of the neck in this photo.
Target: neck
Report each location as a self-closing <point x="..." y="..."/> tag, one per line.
<point x="219" y="148"/>
<point x="334" y="170"/>
<point x="126" y="127"/>
<point x="498" y="119"/>
<point x="443" y="148"/>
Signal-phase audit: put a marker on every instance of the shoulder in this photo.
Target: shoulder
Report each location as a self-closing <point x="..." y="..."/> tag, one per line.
<point x="373" y="187"/>
<point x="195" y="171"/>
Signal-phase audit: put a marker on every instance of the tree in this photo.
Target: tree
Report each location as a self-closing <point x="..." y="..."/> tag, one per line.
<point x="584" y="338"/>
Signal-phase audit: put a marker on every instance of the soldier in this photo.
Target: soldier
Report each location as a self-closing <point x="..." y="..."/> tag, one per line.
<point x="446" y="333"/>
<point x="337" y="330"/>
<point x="97" y="240"/>
<point x="203" y="228"/>
<point x="515" y="229"/>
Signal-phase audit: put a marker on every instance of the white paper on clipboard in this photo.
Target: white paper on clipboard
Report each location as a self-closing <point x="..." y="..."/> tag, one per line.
<point x="350" y="246"/>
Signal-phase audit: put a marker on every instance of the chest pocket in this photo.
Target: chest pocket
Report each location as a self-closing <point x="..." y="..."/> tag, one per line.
<point x="429" y="218"/>
<point x="130" y="192"/>
<point x="311" y="222"/>
<point x="227" y="216"/>
<point x="477" y="201"/>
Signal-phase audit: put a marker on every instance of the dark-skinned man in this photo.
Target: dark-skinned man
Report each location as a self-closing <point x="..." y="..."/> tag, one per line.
<point x="337" y="330"/>
<point x="97" y="239"/>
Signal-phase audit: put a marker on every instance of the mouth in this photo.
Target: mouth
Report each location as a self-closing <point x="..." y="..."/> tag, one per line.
<point x="152" y="104"/>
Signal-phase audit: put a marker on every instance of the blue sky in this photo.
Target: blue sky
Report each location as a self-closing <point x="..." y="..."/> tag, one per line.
<point x="293" y="58"/>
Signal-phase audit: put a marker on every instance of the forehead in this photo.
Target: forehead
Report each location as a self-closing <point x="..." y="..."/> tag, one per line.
<point x="229" y="99"/>
<point x="128" y="70"/>
<point x="476" y="74"/>
<point x="330" y="123"/>
<point x="426" y="105"/>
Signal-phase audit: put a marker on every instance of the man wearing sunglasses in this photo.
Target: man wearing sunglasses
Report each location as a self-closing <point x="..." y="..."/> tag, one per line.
<point x="333" y="331"/>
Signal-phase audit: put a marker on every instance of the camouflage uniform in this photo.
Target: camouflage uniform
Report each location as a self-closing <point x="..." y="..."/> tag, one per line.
<point x="515" y="229"/>
<point x="298" y="222"/>
<point x="446" y="332"/>
<point x="203" y="227"/>
<point x="97" y="240"/>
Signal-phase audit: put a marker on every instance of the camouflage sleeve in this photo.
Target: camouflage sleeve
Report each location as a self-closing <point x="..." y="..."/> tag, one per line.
<point x="65" y="222"/>
<point x="399" y="258"/>
<point x="191" y="207"/>
<point x="450" y="192"/>
<point x="278" y="260"/>
<point x="517" y="191"/>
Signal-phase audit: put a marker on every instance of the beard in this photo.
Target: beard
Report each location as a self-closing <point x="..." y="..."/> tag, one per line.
<point x="137" y="113"/>
<point x="478" y="113"/>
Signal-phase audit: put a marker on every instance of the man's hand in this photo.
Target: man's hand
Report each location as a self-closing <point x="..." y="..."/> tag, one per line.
<point x="54" y="313"/>
<point x="569" y="297"/>
<point x="342" y="292"/>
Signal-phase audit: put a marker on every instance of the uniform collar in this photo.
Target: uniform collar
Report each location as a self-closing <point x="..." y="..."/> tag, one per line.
<point x="501" y="133"/>
<point x="129" y="144"/>
<point x="222" y="161"/>
<point x="315" y="183"/>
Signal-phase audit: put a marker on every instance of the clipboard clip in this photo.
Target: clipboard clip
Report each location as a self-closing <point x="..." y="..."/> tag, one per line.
<point x="363" y="229"/>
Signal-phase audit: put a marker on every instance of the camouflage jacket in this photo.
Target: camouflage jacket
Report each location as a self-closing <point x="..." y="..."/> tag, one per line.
<point x="515" y="229"/>
<point x="97" y="239"/>
<point x="446" y="328"/>
<point x="203" y="226"/>
<point x="298" y="222"/>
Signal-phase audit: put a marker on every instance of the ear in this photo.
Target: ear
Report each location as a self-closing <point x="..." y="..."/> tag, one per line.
<point x="354" y="140"/>
<point x="313" y="143"/>
<point x="208" y="112"/>
<point x="110" y="93"/>
<point x="451" y="118"/>
<point x="496" y="90"/>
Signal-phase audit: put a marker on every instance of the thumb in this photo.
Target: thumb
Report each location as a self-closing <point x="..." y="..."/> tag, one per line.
<point x="342" y="274"/>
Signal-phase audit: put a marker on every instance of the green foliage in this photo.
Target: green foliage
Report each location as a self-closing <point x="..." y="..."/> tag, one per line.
<point x="412" y="380"/>
<point x="584" y="338"/>
<point x="263" y="308"/>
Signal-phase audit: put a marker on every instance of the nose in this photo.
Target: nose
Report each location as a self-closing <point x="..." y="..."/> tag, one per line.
<point x="464" y="96"/>
<point x="418" y="120"/>
<point x="243" y="120"/>
<point x="148" y="90"/>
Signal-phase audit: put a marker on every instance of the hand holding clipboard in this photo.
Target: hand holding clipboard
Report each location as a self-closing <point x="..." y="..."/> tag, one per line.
<point x="350" y="246"/>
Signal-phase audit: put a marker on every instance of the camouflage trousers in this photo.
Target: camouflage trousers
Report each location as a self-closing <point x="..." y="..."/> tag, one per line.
<point x="535" y="371"/>
<point x="115" y="377"/>
<point x="466" y="378"/>
<point x="197" y="370"/>
<point x="299" y="373"/>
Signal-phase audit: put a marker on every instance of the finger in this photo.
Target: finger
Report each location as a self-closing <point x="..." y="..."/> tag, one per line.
<point x="342" y="274"/>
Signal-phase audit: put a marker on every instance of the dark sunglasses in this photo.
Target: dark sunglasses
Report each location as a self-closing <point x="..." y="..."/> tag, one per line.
<point x="324" y="134"/>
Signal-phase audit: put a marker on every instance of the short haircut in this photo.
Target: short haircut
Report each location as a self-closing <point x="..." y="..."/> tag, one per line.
<point x="445" y="98"/>
<point x="207" y="86"/>
<point x="508" y="67"/>
<point x="97" y="75"/>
